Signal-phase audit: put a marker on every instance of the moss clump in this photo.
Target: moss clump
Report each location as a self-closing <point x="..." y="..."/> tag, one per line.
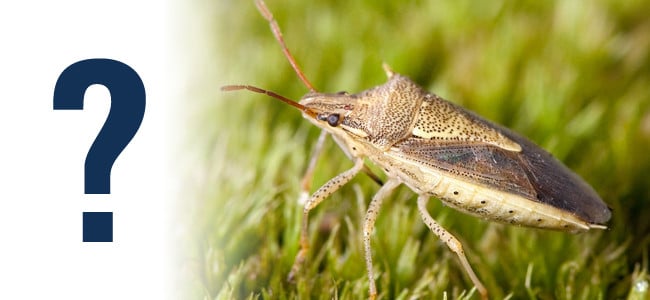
<point x="572" y="76"/>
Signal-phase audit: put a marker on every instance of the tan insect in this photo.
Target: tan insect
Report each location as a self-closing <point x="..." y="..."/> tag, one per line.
<point x="441" y="150"/>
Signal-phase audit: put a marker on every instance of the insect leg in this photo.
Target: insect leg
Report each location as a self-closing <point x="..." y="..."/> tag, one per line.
<point x="323" y="192"/>
<point x="305" y="183"/>
<point x="369" y="225"/>
<point x="451" y="241"/>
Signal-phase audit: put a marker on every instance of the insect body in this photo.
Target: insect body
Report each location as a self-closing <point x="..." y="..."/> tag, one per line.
<point x="439" y="149"/>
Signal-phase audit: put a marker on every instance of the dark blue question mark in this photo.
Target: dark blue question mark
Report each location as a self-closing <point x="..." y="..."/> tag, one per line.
<point x="124" y="118"/>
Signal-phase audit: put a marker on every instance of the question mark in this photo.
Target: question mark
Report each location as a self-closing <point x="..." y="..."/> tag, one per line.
<point x="124" y="118"/>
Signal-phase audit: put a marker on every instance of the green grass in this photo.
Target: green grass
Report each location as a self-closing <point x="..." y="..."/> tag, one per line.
<point x="573" y="76"/>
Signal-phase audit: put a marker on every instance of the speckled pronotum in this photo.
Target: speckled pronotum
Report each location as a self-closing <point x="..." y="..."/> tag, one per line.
<point x="440" y="150"/>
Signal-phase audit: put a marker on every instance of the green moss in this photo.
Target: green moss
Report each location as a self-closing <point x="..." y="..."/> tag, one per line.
<point x="573" y="76"/>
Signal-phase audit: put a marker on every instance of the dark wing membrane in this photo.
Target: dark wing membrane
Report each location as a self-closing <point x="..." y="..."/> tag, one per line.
<point x="556" y="184"/>
<point x="532" y="173"/>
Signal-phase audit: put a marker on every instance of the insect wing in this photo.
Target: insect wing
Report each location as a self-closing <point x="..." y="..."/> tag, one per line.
<point x="479" y="163"/>
<point x="531" y="173"/>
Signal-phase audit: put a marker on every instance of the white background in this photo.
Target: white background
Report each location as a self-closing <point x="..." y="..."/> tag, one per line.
<point x="42" y="152"/>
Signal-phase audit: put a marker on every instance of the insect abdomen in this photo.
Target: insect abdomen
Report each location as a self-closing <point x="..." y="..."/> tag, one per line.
<point x="504" y="207"/>
<point x="483" y="202"/>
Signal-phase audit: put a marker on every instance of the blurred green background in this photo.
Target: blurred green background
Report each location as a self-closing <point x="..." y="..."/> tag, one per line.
<point x="573" y="76"/>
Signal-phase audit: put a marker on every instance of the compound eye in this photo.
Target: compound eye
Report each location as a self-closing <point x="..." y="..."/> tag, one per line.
<point x="333" y="120"/>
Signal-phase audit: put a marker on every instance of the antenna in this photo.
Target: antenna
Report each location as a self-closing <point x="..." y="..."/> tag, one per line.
<point x="266" y="13"/>
<point x="228" y="88"/>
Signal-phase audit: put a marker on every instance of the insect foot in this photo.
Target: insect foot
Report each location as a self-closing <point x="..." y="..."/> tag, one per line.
<point x="441" y="150"/>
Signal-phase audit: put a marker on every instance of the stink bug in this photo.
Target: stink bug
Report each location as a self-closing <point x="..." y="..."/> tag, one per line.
<point x="441" y="150"/>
